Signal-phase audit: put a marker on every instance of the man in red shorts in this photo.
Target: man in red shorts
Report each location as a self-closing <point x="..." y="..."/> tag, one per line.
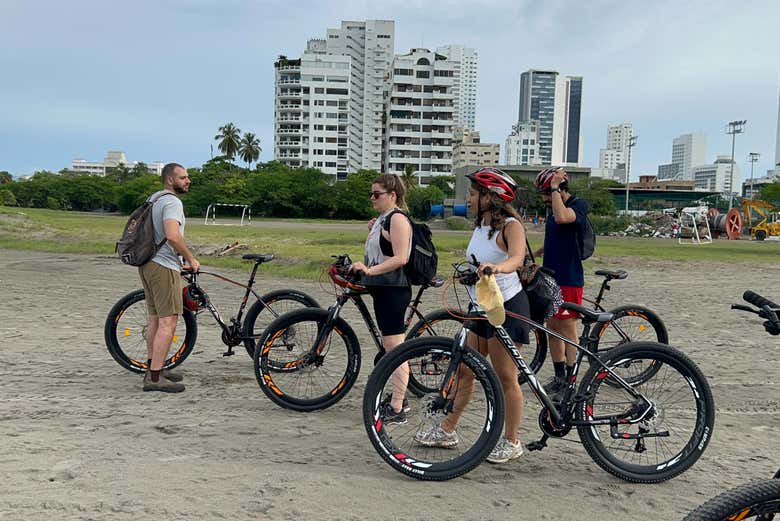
<point x="566" y="217"/>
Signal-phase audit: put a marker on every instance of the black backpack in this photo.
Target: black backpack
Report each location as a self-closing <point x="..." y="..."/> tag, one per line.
<point x="423" y="259"/>
<point x="136" y="247"/>
<point x="586" y="236"/>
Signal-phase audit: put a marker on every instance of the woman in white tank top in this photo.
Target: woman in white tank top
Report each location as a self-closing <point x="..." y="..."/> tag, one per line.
<point x="498" y="242"/>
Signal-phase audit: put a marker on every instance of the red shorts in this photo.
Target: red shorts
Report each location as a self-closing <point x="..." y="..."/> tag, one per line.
<point x="570" y="294"/>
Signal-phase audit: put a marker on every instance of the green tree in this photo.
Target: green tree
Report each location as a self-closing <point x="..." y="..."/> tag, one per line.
<point x="249" y="148"/>
<point x="140" y="169"/>
<point x="120" y="173"/>
<point x="229" y="138"/>
<point x="133" y="193"/>
<point x="419" y="200"/>
<point x="5" y="177"/>
<point x="7" y="197"/>
<point x="408" y="176"/>
<point x="771" y="193"/>
<point x="595" y="192"/>
<point x="445" y="183"/>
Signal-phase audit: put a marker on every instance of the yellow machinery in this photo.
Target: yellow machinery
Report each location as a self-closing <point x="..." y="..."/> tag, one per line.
<point x="763" y="228"/>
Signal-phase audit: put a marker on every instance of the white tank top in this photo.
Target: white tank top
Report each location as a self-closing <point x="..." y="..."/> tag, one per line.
<point x="487" y="250"/>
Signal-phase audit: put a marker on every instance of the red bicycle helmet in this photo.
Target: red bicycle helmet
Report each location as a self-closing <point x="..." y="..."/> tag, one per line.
<point x="496" y="181"/>
<point x="544" y="179"/>
<point x="190" y="299"/>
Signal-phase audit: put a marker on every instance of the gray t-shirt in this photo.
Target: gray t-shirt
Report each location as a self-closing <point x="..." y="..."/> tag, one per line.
<point x="166" y="207"/>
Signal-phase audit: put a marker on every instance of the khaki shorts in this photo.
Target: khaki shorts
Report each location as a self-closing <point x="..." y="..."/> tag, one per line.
<point x="163" y="289"/>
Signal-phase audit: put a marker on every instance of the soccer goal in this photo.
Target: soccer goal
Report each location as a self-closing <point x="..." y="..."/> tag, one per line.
<point x="211" y="213"/>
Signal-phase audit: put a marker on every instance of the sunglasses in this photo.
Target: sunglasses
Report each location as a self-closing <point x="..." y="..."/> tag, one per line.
<point x="375" y="195"/>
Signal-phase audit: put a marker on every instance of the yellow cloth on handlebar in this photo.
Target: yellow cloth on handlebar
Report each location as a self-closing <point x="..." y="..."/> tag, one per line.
<point x="490" y="298"/>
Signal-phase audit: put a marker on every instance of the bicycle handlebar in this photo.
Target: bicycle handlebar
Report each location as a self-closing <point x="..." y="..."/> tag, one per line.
<point x="757" y="300"/>
<point x="766" y="309"/>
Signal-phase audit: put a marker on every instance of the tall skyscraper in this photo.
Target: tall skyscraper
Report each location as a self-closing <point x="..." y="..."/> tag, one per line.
<point x="777" y="144"/>
<point x="370" y="45"/>
<point x="465" y="88"/>
<point x="556" y="103"/>
<point x="420" y="114"/>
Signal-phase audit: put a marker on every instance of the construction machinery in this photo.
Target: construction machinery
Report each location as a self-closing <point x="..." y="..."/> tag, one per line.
<point x="738" y="222"/>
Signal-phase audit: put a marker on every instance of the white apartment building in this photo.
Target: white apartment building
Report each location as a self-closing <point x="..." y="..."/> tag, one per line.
<point x="311" y="111"/>
<point x="113" y="159"/>
<point x="777" y="143"/>
<point x="370" y="46"/>
<point x="688" y="150"/>
<point x="717" y="177"/>
<point x="467" y="149"/>
<point x="556" y="103"/>
<point x="616" y="152"/>
<point x="465" y="88"/>
<point x="420" y="114"/>
<point x="522" y="144"/>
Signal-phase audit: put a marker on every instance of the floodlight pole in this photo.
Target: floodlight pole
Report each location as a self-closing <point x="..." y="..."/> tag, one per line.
<point x="631" y="144"/>
<point x="753" y="158"/>
<point x="734" y="128"/>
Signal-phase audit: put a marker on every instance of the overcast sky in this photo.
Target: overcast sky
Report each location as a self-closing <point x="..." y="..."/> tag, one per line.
<point x="156" y="78"/>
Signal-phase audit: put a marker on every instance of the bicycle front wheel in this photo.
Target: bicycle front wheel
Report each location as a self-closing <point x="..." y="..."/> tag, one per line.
<point x="759" y="500"/>
<point x="125" y="333"/>
<point x="633" y="324"/>
<point x="410" y="447"/>
<point x="270" y="307"/>
<point x="304" y="362"/>
<point x="670" y="435"/>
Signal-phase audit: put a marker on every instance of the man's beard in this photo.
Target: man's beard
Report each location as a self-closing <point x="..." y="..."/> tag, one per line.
<point x="180" y="190"/>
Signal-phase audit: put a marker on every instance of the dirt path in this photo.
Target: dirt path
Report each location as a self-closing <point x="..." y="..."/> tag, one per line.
<point x="81" y="441"/>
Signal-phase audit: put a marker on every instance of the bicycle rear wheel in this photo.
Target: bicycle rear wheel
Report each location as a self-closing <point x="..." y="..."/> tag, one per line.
<point x="295" y="372"/>
<point x="759" y="500"/>
<point x="476" y="432"/>
<point x="674" y="432"/>
<point x="125" y="334"/>
<point x="268" y="308"/>
<point x="633" y="324"/>
<point x="441" y="323"/>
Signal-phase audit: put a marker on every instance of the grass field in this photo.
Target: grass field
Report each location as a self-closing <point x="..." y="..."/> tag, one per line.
<point x="303" y="247"/>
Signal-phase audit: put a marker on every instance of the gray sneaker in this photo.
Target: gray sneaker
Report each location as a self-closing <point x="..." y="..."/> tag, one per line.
<point x="505" y="450"/>
<point x="162" y="384"/>
<point x="435" y="436"/>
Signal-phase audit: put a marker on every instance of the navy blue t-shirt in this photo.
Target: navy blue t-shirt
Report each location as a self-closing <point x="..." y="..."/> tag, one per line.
<point x="560" y="245"/>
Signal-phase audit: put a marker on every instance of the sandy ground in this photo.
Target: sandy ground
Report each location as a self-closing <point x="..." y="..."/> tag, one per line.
<point x="81" y="441"/>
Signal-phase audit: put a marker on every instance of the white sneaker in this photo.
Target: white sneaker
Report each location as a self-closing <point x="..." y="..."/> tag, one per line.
<point x="435" y="436"/>
<point x="505" y="450"/>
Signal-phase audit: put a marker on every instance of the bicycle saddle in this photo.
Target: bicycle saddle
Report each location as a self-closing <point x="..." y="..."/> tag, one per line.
<point x="612" y="274"/>
<point x="259" y="257"/>
<point x="588" y="315"/>
<point x="435" y="282"/>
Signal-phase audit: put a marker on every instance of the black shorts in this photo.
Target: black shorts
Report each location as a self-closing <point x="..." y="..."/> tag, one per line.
<point x="390" y="303"/>
<point x="517" y="329"/>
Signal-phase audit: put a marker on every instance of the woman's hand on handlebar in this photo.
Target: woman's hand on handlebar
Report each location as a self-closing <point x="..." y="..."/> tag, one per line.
<point x="359" y="266"/>
<point x="484" y="267"/>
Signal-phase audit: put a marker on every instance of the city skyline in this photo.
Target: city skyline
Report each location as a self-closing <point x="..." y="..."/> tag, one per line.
<point x="82" y="86"/>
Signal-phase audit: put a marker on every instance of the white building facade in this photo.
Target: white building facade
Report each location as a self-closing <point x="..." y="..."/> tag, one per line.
<point x="465" y="87"/>
<point x="522" y="145"/>
<point x="716" y="177"/>
<point x="616" y="151"/>
<point x="311" y="112"/>
<point x="113" y="159"/>
<point x="467" y="149"/>
<point x="420" y="114"/>
<point x="688" y="150"/>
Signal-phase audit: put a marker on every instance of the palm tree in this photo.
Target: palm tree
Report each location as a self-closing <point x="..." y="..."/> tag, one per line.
<point x="408" y="175"/>
<point x="229" y="140"/>
<point x="249" y="148"/>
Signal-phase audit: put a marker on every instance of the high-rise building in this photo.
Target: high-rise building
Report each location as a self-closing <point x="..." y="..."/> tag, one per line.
<point x="716" y="177"/>
<point x="465" y="88"/>
<point x="688" y="150"/>
<point x="467" y="149"/>
<point x="556" y="103"/>
<point x="777" y="143"/>
<point x="311" y="112"/>
<point x="522" y="145"/>
<point x="616" y="152"/>
<point x="420" y="114"/>
<point x="370" y="46"/>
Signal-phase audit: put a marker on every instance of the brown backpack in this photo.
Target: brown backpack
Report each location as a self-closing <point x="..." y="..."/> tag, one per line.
<point x="136" y="247"/>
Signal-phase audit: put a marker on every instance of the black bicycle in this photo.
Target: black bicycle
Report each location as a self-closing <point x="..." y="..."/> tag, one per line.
<point x="645" y="432"/>
<point x="759" y="500"/>
<point x="309" y="358"/>
<point x="126" y="324"/>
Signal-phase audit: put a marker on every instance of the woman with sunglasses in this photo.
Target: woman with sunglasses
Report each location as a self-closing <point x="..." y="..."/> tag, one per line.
<point x="387" y="251"/>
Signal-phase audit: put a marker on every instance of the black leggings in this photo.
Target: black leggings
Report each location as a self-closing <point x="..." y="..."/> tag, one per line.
<point x="390" y="303"/>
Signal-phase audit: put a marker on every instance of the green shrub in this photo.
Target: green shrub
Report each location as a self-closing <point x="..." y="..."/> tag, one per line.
<point x="458" y="223"/>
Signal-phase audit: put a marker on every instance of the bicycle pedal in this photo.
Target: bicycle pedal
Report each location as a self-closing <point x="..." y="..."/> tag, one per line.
<point x="229" y="352"/>
<point x="538" y="445"/>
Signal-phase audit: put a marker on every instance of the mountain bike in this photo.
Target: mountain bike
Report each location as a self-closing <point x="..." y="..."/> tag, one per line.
<point x="759" y="500"/>
<point x="645" y="432"/>
<point x="126" y="323"/>
<point x="319" y="352"/>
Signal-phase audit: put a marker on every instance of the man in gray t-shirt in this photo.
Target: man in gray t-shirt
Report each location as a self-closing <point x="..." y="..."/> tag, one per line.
<point x="161" y="280"/>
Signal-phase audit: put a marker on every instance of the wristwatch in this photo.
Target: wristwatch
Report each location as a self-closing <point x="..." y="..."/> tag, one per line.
<point x="556" y="190"/>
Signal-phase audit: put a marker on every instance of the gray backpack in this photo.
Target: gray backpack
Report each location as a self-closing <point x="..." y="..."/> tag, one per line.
<point x="136" y="247"/>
